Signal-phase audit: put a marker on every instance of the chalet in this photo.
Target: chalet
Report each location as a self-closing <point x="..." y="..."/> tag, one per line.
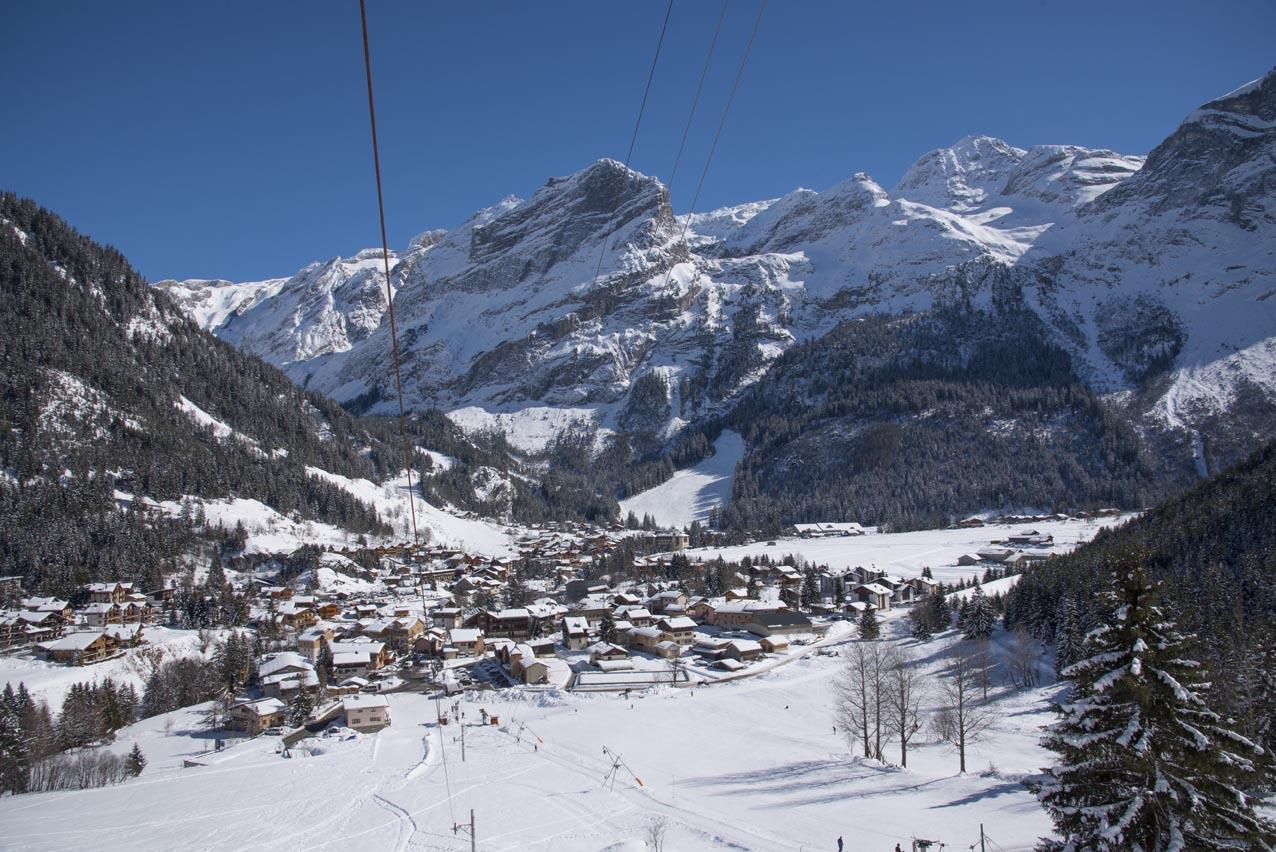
<point x="102" y="614"/>
<point x="743" y="650"/>
<point x="968" y="559"/>
<point x="702" y="611"/>
<point x="351" y="664"/>
<point x="379" y="654"/>
<point x="253" y="717"/>
<point x="774" y="644"/>
<point x="54" y="606"/>
<point x="125" y="635"/>
<point x="780" y="624"/>
<point x="278" y="593"/>
<point x="606" y="652"/>
<point x="679" y="630"/>
<point x="638" y="616"/>
<point x="542" y="647"/>
<point x="994" y="554"/>
<point x="738" y="615"/>
<point x="401" y="634"/>
<point x="924" y="586"/>
<point x="875" y="595"/>
<point x="593" y="613"/>
<point x="550" y="671"/>
<point x="310" y="640"/>
<point x="39" y="626"/>
<point x="660" y="602"/>
<point x="78" y="649"/>
<point x="11" y="632"/>
<point x="447" y="617"/>
<point x="366" y="713"/>
<point x="287" y="684"/>
<point x="503" y="624"/>
<point x="284" y="663"/>
<point x="137" y="610"/>
<point x="575" y="632"/>
<point x="467" y="641"/>
<point x="110" y="593"/>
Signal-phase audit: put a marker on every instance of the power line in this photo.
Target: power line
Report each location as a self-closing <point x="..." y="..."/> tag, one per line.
<point x="726" y="111"/>
<point x="385" y="258"/>
<point x="633" y="138"/>
<point x="695" y="102"/>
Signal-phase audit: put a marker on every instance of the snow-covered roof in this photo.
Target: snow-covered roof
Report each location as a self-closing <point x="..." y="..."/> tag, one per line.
<point x="364" y="702"/>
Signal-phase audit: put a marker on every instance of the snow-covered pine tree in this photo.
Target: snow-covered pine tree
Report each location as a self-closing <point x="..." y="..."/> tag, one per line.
<point x="299" y="708"/>
<point x="978" y="615"/>
<point x="1144" y="764"/>
<point x="1068" y="636"/>
<point x="869" y="628"/>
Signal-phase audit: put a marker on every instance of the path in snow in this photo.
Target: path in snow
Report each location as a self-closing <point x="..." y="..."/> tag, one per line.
<point x="689" y="494"/>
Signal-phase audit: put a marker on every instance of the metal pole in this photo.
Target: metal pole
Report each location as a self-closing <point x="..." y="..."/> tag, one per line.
<point x="463" y="744"/>
<point x="982" y="847"/>
<point x="473" y="836"/>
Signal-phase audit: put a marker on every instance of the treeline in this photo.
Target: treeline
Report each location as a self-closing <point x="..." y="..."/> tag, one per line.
<point x="1213" y="550"/>
<point x="34" y="746"/>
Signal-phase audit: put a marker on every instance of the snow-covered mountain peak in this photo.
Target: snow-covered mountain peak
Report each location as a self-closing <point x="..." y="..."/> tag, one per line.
<point x="962" y="176"/>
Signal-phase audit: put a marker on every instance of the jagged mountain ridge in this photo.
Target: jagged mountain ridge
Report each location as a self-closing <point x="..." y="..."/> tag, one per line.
<point x="505" y="313"/>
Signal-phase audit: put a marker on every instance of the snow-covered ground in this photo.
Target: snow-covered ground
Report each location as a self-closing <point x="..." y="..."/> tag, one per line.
<point x="907" y="553"/>
<point x="751" y="764"/>
<point x="689" y="494"/>
<point x="52" y="681"/>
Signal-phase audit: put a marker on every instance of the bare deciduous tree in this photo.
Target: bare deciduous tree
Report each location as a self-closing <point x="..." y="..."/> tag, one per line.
<point x="656" y="833"/>
<point x="905" y="690"/>
<point x="858" y="696"/>
<point x="963" y="718"/>
<point x="1023" y="659"/>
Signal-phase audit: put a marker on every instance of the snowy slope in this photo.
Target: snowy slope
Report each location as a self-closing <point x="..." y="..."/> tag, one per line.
<point x="689" y="494"/>
<point x="772" y="777"/>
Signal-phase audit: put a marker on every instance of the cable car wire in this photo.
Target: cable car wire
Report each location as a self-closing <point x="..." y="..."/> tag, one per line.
<point x="385" y="258"/>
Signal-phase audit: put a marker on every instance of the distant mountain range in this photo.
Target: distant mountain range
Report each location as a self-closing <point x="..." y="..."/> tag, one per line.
<point x="1155" y="275"/>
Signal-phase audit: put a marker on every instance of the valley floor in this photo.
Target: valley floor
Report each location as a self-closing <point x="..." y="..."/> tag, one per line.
<point x="751" y="764"/>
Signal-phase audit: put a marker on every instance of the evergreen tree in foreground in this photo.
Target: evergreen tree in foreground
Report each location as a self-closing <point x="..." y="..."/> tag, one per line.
<point x="1144" y="764"/>
<point x="136" y="761"/>
<point x="869" y="628"/>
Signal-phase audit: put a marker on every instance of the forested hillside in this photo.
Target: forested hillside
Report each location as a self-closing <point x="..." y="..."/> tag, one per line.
<point x="1213" y="550"/>
<point x="913" y="421"/>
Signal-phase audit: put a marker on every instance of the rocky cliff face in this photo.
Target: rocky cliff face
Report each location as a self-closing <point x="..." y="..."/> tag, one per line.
<point x="1156" y="278"/>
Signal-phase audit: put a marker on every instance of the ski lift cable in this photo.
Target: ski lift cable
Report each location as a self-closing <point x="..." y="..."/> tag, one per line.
<point x="633" y="139"/>
<point x="695" y="101"/>
<point x="385" y="259"/>
<point x="726" y="111"/>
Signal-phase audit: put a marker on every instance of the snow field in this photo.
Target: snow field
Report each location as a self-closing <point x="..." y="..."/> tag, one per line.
<point x="907" y="553"/>
<point x="689" y="494"/>
<point x="752" y="764"/>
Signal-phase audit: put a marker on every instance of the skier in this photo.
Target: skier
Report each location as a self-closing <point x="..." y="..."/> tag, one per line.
<point x="839" y="843"/>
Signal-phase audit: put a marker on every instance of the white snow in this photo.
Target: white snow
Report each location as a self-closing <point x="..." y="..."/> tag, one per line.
<point x="747" y="764"/>
<point x="391" y="502"/>
<point x="51" y="681"/>
<point x="530" y="429"/>
<point x="689" y="494"/>
<point x="908" y="552"/>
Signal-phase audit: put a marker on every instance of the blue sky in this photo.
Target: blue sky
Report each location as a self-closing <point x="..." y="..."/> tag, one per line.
<point x="230" y="139"/>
